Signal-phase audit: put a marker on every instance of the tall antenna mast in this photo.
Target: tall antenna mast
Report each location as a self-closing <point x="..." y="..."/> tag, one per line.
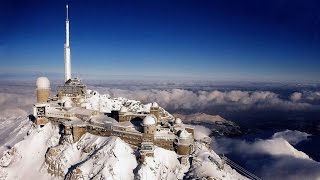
<point x="67" y="56"/>
<point x="67" y="12"/>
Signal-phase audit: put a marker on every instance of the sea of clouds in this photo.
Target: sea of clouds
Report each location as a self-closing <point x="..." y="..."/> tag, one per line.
<point x="274" y="157"/>
<point x="189" y="97"/>
<point x="182" y="99"/>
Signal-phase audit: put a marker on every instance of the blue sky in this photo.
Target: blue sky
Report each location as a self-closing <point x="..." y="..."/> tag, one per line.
<point x="202" y="40"/>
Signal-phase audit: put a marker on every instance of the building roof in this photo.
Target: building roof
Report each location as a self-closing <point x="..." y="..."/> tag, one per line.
<point x="164" y="134"/>
<point x="103" y="119"/>
<point x="82" y="111"/>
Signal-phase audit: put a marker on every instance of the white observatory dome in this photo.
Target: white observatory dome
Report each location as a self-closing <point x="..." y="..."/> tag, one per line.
<point x="154" y="104"/>
<point x="178" y="121"/>
<point x="123" y="109"/>
<point x="43" y="83"/>
<point x="149" y="120"/>
<point x="184" y="134"/>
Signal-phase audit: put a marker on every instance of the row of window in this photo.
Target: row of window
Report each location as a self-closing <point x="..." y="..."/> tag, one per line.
<point x="54" y="114"/>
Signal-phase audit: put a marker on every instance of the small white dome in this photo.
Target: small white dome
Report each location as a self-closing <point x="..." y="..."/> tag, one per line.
<point x="178" y="121"/>
<point x="154" y="104"/>
<point x="149" y="120"/>
<point x="43" y="83"/>
<point x="184" y="134"/>
<point x="67" y="104"/>
<point x="123" y="109"/>
<point x="66" y="101"/>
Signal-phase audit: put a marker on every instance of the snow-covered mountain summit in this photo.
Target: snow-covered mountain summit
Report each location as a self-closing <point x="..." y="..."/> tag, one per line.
<point x="47" y="153"/>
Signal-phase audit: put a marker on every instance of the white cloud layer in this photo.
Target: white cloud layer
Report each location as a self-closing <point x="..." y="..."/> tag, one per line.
<point x="181" y="99"/>
<point x="284" y="162"/>
<point x="293" y="137"/>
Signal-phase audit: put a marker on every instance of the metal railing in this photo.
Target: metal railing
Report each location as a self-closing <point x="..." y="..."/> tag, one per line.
<point x="240" y="169"/>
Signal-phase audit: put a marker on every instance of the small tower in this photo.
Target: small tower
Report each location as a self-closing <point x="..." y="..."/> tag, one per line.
<point x="149" y="124"/>
<point x="43" y="93"/>
<point x="154" y="109"/>
<point x="147" y="145"/>
<point x="184" y="146"/>
<point x="184" y="143"/>
<point x="43" y="89"/>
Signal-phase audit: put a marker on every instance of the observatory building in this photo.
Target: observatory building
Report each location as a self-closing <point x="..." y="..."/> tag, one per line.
<point x="142" y="131"/>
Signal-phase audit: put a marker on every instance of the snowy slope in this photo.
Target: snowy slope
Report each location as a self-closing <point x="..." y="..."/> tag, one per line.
<point x="25" y="159"/>
<point x="164" y="165"/>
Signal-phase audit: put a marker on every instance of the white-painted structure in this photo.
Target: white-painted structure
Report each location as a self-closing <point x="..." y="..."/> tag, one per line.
<point x="149" y="120"/>
<point x="67" y="56"/>
<point x="43" y="83"/>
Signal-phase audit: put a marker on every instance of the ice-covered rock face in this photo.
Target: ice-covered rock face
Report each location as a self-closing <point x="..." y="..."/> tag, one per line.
<point x="164" y="165"/>
<point x="206" y="163"/>
<point x="93" y="157"/>
<point x="25" y="159"/>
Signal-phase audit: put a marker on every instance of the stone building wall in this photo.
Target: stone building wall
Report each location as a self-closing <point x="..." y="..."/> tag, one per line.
<point x="166" y="144"/>
<point x="155" y="112"/>
<point x="43" y="95"/>
<point x="183" y="149"/>
<point x="41" y="121"/>
<point x="78" y="132"/>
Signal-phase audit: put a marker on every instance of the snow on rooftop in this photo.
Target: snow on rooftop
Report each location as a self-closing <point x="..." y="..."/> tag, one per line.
<point x="123" y="109"/>
<point x="75" y="122"/>
<point x="103" y="119"/>
<point x="162" y="134"/>
<point x="79" y="110"/>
